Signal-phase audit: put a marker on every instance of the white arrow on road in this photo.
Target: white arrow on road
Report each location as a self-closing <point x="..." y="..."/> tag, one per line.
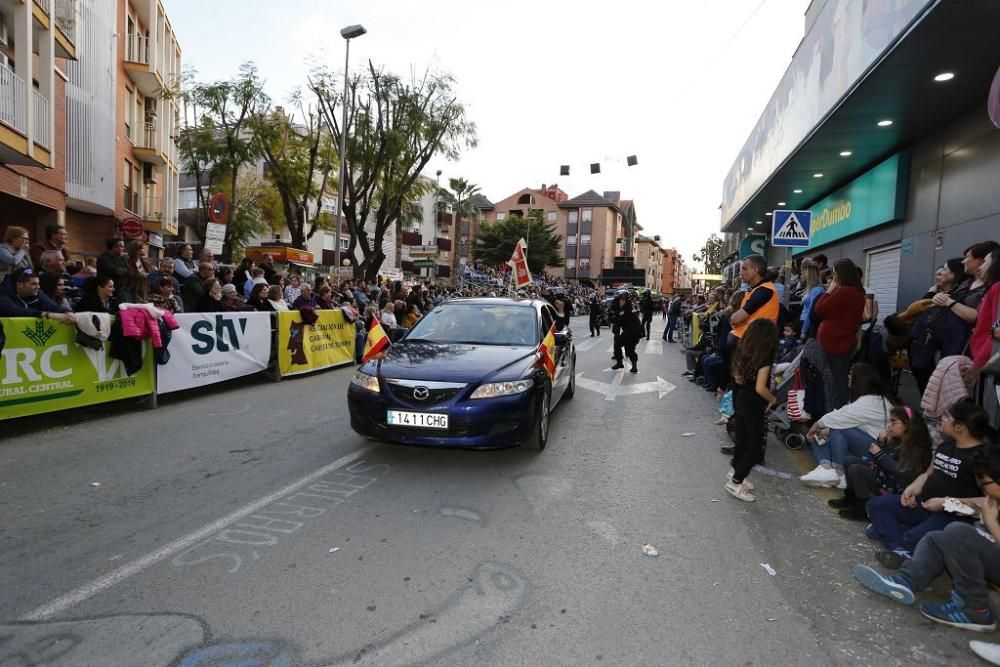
<point x="615" y="388"/>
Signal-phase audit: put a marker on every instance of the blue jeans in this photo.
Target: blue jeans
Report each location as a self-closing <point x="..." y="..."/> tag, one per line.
<point x="852" y="441"/>
<point x="712" y="366"/>
<point x="902" y="527"/>
<point x="668" y="334"/>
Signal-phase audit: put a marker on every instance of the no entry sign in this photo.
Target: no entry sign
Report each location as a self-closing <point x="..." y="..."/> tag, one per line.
<point x="218" y="209"/>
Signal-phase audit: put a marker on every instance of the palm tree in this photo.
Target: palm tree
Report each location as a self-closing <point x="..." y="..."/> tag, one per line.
<point x="459" y="199"/>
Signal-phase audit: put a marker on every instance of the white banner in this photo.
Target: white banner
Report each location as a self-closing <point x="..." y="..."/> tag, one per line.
<point x="215" y="237"/>
<point x="214" y="347"/>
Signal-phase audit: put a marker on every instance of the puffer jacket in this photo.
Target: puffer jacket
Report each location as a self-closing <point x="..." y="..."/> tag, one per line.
<point x="946" y="386"/>
<point x="141" y="321"/>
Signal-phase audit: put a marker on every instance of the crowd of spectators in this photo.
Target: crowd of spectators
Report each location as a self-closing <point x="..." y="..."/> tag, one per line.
<point x="917" y="461"/>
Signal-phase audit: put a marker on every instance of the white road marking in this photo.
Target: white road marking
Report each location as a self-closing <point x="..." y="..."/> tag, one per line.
<point x="94" y="587"/>
<point x="654" y="346"/>
<point x="615" y="388"/>
<point x="587" y="344"/>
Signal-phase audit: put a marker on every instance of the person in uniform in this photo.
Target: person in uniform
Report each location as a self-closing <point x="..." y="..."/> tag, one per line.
<point x="596" y="306"/>
<point x="614" y="317"/>
<point x="631" y="331"/>
<point x="646" y="308"/>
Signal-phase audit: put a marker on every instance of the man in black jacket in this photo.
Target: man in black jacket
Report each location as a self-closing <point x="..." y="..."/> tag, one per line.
<point x="113" y="262"/>
<point x="23" y="298"/>
<point x="596" y="307"/>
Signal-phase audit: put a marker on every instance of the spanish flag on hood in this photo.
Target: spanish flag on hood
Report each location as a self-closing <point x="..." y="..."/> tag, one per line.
<point x="547" y="352"/>
<point x="376" y="342"/>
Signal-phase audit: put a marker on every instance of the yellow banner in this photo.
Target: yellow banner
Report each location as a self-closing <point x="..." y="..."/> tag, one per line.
<point x="308" y="347"/>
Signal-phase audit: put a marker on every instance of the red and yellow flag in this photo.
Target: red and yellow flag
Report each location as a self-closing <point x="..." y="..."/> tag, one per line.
<point x="376" y="342"/>
<point x="547" y="352"/>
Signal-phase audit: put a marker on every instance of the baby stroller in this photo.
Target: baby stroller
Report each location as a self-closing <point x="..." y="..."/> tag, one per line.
<point x="784" y="378"/>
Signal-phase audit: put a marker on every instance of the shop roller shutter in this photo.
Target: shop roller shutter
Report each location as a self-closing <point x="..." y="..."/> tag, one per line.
<point x="882" y="279"/>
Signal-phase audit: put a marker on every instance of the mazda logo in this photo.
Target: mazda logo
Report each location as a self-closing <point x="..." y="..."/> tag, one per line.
<point x="421" y="393"/>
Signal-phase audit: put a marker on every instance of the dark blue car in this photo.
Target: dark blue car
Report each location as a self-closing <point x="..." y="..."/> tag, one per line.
<point x="466" y="375"/>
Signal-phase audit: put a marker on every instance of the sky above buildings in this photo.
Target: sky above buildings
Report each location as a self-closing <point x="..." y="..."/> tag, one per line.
<point x="679" y="84"/>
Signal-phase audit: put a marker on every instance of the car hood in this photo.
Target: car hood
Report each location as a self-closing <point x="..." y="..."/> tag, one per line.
<point x="451" y="362"/>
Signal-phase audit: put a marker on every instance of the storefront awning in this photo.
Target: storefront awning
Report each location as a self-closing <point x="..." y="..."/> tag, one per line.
<point x="955" y="37"/>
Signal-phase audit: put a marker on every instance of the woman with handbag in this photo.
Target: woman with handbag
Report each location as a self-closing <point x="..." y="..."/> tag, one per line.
<point x="984" y="345"/>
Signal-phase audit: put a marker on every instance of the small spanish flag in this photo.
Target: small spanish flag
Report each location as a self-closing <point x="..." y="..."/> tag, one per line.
<point x="376" y="342"/>
<point x="547" y="352"/>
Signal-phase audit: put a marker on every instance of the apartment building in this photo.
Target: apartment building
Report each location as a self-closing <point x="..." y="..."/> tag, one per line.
<point x="467" y="229"/>
<point x="123" y="162"/>
<point x="649" y="257"/>
<point x="596" y="230"/>
<point x="672" y="263"/>
<point x="37" y="40"/>
<point x="426" y="246"/>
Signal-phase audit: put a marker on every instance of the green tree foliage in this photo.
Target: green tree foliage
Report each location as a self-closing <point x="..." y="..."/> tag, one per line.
<point x="495" y="241"/>
<point x="299" y="158"/>
<point x="261" y="212"/>
<point x="710" y="255"/>
<point x="214" y="140"/>
<point x="393" y="129"/>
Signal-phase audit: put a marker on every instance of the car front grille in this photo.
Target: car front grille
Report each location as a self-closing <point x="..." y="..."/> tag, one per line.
<point x="418" y="394"/>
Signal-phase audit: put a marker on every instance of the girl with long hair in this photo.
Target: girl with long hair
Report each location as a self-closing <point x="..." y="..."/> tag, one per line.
<point x="752" y="398"/>
<point x="901" y="453"/>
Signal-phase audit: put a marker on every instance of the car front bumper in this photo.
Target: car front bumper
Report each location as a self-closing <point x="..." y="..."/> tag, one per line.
<point x="492" y="423"/>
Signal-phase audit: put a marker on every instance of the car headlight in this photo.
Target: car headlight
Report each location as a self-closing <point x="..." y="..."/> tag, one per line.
<point x="495" y="389"/>
<point x="365" y="381"/>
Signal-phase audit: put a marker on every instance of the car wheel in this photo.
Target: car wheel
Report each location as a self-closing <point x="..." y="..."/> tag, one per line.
<point x="540" y="436"/>
<point x="571" y="387"/>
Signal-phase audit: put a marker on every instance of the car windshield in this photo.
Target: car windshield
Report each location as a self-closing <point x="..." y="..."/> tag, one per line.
<point x="481" y="324"/>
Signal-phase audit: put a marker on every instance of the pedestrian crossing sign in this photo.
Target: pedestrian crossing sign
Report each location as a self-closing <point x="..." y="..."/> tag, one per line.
<point x="791" y="228"/>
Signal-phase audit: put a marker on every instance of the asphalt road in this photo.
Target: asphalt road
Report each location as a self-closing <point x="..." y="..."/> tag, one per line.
<point x="247" y="524"/>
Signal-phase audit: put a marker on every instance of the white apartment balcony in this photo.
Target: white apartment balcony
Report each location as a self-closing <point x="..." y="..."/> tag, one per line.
<point x="139" y="65"/>
<point x="151" y="208"/>
<point x="149" y="145"/>
<point x="15" y="105"/>
<point x="60" y="15"/>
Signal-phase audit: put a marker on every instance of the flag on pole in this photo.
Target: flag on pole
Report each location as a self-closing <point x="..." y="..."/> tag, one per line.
<point x="547" y="352"/>
<point x="519" y="263"/>
<point x="376" y="342"/>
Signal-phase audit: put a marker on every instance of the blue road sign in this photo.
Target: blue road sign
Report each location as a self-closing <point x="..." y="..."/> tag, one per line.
<point x="790" y="229"/>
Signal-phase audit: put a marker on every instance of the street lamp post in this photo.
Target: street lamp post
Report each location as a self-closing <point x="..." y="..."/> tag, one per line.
<point x="348" y="33"/>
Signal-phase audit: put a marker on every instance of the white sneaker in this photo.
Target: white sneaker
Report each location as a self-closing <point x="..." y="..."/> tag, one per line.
<point x="842" y="484"/>
<point x="729" y="478"/>
<point x="741" y="492"/>
<point x="987" y="651"/>
<point x="821" y="476"/>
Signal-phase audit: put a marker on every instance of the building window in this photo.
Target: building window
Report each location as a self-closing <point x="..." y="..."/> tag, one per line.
<point x="570" y="262"/>
<point x="551" y="216"/>
<point x="584" y="263"/>
<point x="588" y="214"/>
<point x="129" y="106"/>
<point x="573" y="215"/>
<point x="525" y="199"/>
<point x="571" y="239"/>
<point x="344" y="243"/>
<point x="584" y="239"/>
<point x="501" y="217"/>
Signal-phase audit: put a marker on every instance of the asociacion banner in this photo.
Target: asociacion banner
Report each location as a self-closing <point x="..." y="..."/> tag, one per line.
<point x="44" y="370"/>
<point x="214" y="347"/>
<point x="308" y="347"/>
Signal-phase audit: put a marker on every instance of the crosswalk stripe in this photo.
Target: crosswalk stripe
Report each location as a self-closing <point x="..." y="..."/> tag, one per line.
<point x="654" y="346"/>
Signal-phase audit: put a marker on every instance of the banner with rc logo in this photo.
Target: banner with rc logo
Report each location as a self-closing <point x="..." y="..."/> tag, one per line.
<point x="42" y="369"/>
<point x="215" y="347"/>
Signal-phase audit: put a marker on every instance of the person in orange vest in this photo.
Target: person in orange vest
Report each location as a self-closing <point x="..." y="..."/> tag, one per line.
<point x="760" y="301"/>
